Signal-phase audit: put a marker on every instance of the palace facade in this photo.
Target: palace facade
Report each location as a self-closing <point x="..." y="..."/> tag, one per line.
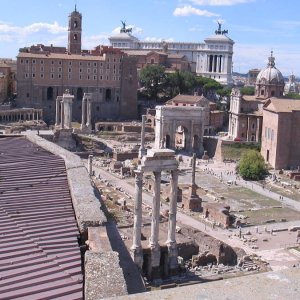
<point x="212" y="58"/>
<point x="45" y="72"/>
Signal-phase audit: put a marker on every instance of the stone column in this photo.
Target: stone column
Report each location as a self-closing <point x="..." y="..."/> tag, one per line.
<point x="58" y="112"/>
<point x="142" y="150"/>
<point x="62" y="111"/>
<point x="171" y="242"/>
<point x="89" y="113"/>
<point x="136" y="249"/>
<point x="90" y="165"/>
<point x="83" y="114"/>
<point x="154" y="245"/>
<point x="67" y="100"/>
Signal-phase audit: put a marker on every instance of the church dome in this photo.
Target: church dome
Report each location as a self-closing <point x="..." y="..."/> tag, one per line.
<point x="270" y="75"/>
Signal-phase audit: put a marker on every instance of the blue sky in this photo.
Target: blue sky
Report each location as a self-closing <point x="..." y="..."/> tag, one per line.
<point x="256" y="26"/>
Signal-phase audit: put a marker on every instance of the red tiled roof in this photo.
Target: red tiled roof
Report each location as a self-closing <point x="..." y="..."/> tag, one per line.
<point x="39" y="254"/>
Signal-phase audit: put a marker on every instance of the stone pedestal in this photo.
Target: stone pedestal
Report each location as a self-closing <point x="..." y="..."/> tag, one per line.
<point x="172" y="258"/>
<point x="155" y="262"/>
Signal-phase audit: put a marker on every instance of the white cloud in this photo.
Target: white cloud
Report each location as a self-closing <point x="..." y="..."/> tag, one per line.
<point x="189" y="10"/>
<point x="54" y="28"/>
<point x="90" y="42"/>
<point x="220" y="2"/>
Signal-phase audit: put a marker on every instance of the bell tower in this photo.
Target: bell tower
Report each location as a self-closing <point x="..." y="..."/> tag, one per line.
<point x="74" y="32"/>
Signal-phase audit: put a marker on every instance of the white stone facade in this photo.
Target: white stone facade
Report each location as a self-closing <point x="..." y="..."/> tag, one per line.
<point x="213" y="57"/>
<point x="191" y="118"/>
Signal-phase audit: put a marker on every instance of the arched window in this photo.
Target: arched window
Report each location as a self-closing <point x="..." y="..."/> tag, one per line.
<point x="50" y="93"/>
<point x="75" y="24"/>
<point x="75" y="37"/>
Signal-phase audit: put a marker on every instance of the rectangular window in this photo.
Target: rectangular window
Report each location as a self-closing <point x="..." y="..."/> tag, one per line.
<point x="59" y="76"/>
<point x="101" y="77"/>
<point x="69" y="76"/>
<point x="88" y="64"/>
<point x="26" y="75"/>
<point x="33" y="75"/>
<point x="52" y="75"/>
<point x="70" y="70"/>
<point x="95" y="71"/>
<point x="88" y="70"/>
<point x="33" y="61"/>
<point x="95" y="77"/>
<point x="80" y="70"/>
<point x="59" y="69"/>
<point x="80" y="77"/>
<point x="42" y="69"/>
<point x="27" y="61"/>
<point x="70" y="63"/>
<point x="60" y="62"/>
<point x="42" y="62"/>
<point x="52" y="62"/>
<point x="88" y="77"/>
<point x="95" y="64"/>
<point x="42" y="75"/>
<point x="22" y="61"/>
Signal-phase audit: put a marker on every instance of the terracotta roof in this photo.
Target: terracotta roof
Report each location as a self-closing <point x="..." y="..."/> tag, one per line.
<point x="60" y="56"/>
<point x="39" y="255"/>
<point x="282" y="105"/>
<point x="191" y="99"/>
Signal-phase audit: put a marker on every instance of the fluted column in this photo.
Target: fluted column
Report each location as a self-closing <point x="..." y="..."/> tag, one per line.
<point x="83" y="113"/>
<point x="154" y="245"/>
<point x="89" y="113"/>
<point x="62" y="111"/>
<point x="142" y="150"/>
<point x="171" y="242"/>
<point x="136" y="249"/>
<point x="58" y="112"/>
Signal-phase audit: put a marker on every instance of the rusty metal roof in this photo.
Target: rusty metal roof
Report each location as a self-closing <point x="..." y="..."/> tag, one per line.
<point x="39" y="254"/>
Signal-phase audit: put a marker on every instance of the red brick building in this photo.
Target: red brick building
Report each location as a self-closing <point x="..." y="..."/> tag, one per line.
<point x="280" y="133"/>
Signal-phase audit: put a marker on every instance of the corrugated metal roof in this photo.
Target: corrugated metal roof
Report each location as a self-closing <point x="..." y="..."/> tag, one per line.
<point x="39" y="254"/>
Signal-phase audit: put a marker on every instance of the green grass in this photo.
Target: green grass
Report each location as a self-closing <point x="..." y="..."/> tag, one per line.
<point x="236" y="150"/>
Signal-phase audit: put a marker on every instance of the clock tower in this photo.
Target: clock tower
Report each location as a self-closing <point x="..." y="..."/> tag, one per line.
<point x="74" y="32"/>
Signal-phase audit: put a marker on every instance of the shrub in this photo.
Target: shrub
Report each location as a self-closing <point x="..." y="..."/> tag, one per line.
<point x="252" y="165"/>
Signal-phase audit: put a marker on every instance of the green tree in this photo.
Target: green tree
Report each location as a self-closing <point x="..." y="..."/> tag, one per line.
<point x="252" y="165"/>
<point x="180" y="82"/>
<point x="247" y="90"/>
<point x="153" y="79"/>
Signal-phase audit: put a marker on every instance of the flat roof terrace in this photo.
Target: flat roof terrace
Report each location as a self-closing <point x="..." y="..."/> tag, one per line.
<point x="39" y="254"/>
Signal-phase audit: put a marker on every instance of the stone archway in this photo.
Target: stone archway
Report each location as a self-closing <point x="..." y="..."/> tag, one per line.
<point x="181" y="138"/>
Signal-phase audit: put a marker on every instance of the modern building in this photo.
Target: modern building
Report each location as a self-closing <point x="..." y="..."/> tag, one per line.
<point x="45" y="72"/>
<point x="280" y="134"/>
<point x="211" y="58"/>
<point x="246" y="112"/>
